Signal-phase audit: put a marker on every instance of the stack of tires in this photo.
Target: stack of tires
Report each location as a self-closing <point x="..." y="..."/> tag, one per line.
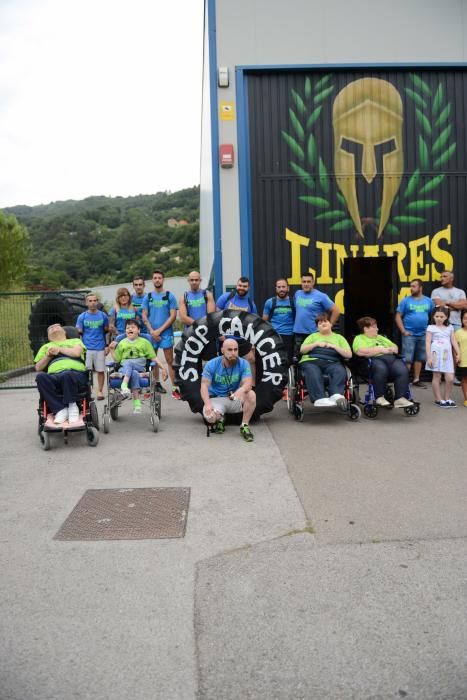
<point x="53" y="307"/>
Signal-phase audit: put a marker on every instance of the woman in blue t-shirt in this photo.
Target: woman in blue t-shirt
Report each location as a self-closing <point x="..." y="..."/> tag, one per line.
<point x="121" y="311"/>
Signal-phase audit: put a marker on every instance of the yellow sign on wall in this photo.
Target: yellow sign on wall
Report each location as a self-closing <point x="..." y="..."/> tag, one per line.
<point x="227" y="111"/>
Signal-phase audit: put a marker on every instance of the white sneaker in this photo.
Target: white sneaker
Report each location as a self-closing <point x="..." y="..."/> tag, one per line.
<point x="126" y="392"/>
<point x="61" y="416"/>
<point x="381" y="401"/>
<point x="339" y="400"/>
<point x="324" y="402"/>
<point x="73" y="413"/>
<point x="402" y="402"/>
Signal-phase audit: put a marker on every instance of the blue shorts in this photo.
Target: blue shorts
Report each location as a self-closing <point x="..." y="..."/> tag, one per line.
<point x="413" y="348"/>
<point x="164" y="343"/>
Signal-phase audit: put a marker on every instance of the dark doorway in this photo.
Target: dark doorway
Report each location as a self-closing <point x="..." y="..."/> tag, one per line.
<point x="370" y="289"/>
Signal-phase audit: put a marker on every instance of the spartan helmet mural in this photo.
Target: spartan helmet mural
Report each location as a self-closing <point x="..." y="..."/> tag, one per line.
<point x="368" y="112"/>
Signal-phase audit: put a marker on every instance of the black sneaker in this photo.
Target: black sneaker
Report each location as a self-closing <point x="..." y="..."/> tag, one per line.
<point x="419" y="384"/>
<point x="246" y="433"/>
<point x="160" y="389"/>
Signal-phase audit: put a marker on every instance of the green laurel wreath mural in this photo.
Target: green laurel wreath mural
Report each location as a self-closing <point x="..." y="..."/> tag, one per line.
<point x="434" y="150"/>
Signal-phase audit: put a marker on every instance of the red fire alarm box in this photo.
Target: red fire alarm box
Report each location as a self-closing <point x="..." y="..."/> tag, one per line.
<point x="226" y="155"/>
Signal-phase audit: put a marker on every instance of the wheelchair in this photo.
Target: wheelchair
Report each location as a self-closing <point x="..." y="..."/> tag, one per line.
<point x="150" y="398"/>
<point x="297" y="393"/>
<point x="370" y="407"/>
<point x="89" y="420"/>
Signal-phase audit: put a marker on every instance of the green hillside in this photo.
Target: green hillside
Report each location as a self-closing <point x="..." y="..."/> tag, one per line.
<point x="101" y="240"/>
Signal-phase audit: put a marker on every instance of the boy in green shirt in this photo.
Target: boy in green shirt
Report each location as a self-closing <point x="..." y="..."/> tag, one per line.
<point x="132" y="353"/>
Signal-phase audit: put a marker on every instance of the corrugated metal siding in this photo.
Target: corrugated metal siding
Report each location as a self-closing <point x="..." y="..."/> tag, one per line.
<point x="434" y="104"/>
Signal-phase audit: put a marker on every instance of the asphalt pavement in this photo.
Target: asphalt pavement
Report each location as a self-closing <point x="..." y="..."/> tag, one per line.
<point x="325" y="560"/>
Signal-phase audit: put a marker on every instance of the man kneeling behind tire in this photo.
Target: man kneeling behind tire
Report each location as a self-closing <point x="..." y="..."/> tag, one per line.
<point x="226" y="387"/>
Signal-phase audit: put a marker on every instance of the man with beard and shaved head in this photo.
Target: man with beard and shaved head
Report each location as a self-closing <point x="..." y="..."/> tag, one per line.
<point x="226" y="387"/>
<point x="238" y="300"/>
<point x="280" y="312"/>
<point x="450" y="296"/>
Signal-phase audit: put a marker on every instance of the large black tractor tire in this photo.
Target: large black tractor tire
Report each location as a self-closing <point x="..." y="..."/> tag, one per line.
<point x="53" y="307"/>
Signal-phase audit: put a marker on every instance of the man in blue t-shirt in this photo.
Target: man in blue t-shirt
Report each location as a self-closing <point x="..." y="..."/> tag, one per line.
<point x="280" y="312"/>
<point x="159" y="314"/>
<point x="137" y="299"/>
<point x="196" y="303"/>
<point x="309" y="302"/>
<point x="92" y="325"/>
<point x="226" y="387"/>
<point x="412" y="318"/>
<point x="238" y="300"/>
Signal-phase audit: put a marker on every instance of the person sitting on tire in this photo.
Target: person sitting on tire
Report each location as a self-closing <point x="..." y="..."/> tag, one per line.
<point x="322" y="355"/>
<point x="386" y="363"/>
<point x="226" y="387"/>
<point x="132" y="353"/>
<point x="62" y="376"/>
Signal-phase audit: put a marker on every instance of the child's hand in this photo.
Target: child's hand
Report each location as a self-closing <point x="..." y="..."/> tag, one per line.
<point x="458" y="357"/>
<point x="165" y="374"/>
<point x="429" y="361"/>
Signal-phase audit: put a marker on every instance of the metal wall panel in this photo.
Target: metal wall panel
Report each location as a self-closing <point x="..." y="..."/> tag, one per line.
<point x="403" y="131"/>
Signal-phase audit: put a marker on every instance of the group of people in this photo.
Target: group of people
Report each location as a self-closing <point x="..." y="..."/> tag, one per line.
<point x="434" y="332"/>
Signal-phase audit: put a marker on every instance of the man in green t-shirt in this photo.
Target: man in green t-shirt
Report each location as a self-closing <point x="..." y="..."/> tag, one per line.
<point x="323" y="353"/>
<point x="62" y="375"/>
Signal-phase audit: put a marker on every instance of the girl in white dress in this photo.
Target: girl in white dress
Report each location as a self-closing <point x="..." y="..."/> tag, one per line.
<point x="440" y="344"/>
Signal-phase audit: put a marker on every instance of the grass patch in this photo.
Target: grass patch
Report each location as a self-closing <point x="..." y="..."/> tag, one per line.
<point x="15" y="350"/>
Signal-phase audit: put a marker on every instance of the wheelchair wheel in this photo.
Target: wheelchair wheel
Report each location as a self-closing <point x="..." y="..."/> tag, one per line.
<point x="298" y="412"/>
<point x="154" y="420"/>
<point x="370" y="410"/>
<point x="291" y="389"/>
<point x="92" y="436"/>
<point x="412" y="410"/>
<point x="354" y="412"/>
<point x="106" y="422"/>
<point x="94" y="414"/>
<point x="156" y="404"/>
<point x="114" y="412"/>
<point x="45" y="440"/>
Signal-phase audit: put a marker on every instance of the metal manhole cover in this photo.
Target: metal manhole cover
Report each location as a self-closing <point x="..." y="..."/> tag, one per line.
<point x="127" y="514"/>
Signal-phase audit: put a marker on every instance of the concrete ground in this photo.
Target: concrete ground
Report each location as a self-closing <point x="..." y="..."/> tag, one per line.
<point x="325" y="560"/>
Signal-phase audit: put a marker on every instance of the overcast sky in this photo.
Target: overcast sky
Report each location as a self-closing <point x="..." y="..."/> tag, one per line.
<point x="98" y="97"/>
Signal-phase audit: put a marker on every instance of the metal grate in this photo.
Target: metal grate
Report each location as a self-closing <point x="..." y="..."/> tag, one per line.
<point x="128" y="514"/>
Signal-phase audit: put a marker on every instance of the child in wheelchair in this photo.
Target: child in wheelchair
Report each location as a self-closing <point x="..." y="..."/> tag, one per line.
<point x="132" y="353"/>
<point x="321" y="370"/>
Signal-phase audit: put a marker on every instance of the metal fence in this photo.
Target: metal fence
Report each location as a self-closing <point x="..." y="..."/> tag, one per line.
<point x="24" y="318"/>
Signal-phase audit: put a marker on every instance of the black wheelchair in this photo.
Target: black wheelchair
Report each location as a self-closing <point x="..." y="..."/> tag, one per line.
<point x="297" y="393"/>
<point x="88" y="420"/>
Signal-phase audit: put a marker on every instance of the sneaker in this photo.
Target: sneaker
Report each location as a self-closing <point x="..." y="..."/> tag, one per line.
<point x="381" y="401"/>
<point x="324" y="402"/>
<point x="61" y="416"/>
<point x="176" y="393"/>
<point x="219" y="427"/>
<point x="73" y="413"/>
<point x="440" y="404"/>
<point x="451" y="404"/>
<point x="457" y="382"/>
<point x="160" y="389"/>
<point x="246" y="433"/>
<point x="137" y="408"/>
<point x="402" y="402"/>
<point x="418" y="383"/>
<point x="125" y="391"/>
<point x="339" y="400"/>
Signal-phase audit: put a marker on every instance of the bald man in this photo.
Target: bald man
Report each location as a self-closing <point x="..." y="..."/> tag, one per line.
<point x="226" y="387"/>
<point x="450" y="296"/>
<point x="195" y="303"/>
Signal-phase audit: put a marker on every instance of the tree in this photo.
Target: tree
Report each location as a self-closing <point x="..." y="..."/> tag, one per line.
<point x="14" y="246"/>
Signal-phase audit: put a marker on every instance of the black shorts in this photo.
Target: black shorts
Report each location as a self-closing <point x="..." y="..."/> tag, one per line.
<point x="461" y="372"/>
